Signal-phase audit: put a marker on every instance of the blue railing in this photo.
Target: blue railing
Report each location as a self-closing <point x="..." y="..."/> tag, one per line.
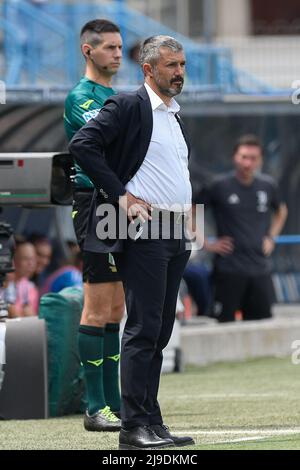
<point x="286" y="276"/>
<point x="47" y="51"/>
<point x="288" y="240"/>
<point x="280" y="240"/>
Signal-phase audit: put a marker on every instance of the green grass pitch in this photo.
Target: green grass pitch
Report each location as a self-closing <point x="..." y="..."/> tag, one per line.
<point x="246" y="405"/>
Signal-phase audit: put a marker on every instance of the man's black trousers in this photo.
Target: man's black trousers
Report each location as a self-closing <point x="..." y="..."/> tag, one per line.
<point x="151" y="271"/>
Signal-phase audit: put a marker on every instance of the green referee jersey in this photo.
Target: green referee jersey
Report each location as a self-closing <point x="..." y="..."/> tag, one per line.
<point x="82" y="104"/>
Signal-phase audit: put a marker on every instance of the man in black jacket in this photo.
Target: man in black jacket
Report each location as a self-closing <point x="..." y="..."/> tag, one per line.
<point x="135" y="152"/>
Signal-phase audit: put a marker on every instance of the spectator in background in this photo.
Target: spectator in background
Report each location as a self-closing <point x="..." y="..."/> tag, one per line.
<point x="243" y="203"/>
<point x="43" y="250"/>
<point x="73" y="247"/>
<point x="130" y="73"/>
<point x="26" y="294"/>
<point x="69" y="275"/>
<point x="198" y="280"/>
<point x="136" y="74"/>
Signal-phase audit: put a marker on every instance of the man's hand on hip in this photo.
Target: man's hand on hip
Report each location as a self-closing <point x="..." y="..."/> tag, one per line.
<point x="135" y="207"/>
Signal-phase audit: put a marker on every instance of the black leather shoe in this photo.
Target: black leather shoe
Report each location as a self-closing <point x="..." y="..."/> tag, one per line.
<point x="163" y="432"/>
<point x="142" y="437"/>
<point x="104" y="420"/>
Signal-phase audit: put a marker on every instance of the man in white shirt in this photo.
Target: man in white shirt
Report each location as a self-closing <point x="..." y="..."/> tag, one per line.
<point x="136" y="153"/>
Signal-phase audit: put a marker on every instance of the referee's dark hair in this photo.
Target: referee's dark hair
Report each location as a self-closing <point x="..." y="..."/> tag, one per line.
<point x="91" y="31"/>
<point x="247" y="139"/>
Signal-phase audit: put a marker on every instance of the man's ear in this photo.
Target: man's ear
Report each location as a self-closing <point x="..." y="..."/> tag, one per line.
<point x="148" y="70"/>
<point x="86" y="50"/>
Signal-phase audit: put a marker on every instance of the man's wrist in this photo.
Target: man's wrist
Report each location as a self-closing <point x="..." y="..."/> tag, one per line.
<point x="123" y="200"/>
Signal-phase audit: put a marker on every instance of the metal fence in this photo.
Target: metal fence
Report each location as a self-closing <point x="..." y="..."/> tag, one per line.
<point x="271" y="59"/>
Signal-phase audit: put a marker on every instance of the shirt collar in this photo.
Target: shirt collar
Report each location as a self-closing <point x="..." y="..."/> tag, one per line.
<point x="157" y="102"/>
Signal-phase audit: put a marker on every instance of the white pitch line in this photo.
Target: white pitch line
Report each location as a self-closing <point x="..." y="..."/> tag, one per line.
<point x="230" y="395"/>
<point x="263" y="434"/>
<point x="241" y="439"/>
<point x="266" y="432"/>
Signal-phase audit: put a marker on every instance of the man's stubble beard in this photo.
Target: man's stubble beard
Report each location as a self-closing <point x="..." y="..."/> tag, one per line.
<point x="169" y="92"/>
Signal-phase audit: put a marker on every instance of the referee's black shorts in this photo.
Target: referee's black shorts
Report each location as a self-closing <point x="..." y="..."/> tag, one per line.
<point x="252" y="295"/>
<point x="97" y="267"/>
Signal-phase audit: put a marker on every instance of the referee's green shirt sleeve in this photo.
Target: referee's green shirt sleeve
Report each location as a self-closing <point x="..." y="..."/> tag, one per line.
<point x="88" y="148"/>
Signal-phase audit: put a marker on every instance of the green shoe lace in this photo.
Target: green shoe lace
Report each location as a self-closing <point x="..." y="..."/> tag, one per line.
<point x="108" y="414"/>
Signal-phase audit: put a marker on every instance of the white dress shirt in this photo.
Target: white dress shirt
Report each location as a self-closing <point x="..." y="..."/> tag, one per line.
<point x="163" y="179"/>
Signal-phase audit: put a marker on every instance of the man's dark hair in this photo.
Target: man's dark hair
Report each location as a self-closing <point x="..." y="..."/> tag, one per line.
<point x="248" y="139"/>
<point x="20" y="240"/>
<point x="36" y="238"/>
<point x="91" y="31"/>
